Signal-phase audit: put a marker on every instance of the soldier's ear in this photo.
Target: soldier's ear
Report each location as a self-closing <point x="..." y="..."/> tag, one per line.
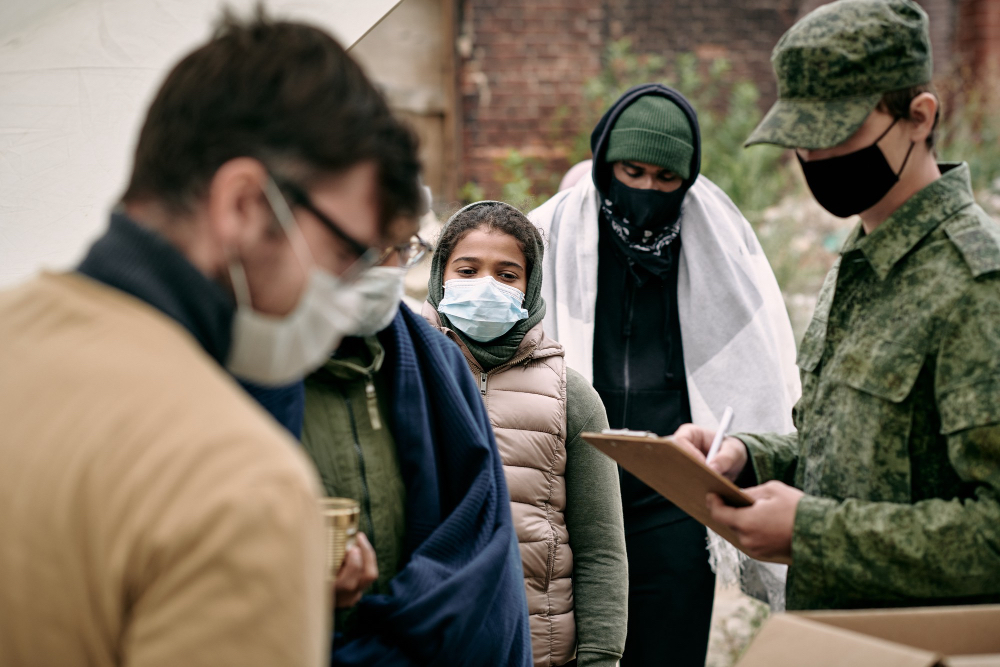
<point x="923" y="116"/>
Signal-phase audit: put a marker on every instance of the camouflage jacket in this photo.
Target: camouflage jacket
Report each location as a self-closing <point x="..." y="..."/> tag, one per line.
<point x="898" y="428"/>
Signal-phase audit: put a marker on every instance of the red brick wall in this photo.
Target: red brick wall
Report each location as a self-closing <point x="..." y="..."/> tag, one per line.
<point x="979" y="44"/>
<point x="742" y="32"/>
<point x="521" y="61"/>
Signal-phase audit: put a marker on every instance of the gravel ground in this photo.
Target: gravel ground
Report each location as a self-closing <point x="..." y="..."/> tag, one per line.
<point x="735" y="620"/>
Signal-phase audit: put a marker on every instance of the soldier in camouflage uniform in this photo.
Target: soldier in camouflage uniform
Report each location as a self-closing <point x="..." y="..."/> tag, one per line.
<point x="888" y="493"/>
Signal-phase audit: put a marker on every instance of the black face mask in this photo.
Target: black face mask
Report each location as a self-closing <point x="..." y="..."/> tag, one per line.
<point x="849" y="184"/>
<point x="646" y="209"/>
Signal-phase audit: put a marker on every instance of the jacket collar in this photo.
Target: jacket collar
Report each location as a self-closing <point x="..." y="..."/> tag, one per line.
<point x="140" y="262"/>
<point x="915" y="219"/>
<point x="356" y="357"/>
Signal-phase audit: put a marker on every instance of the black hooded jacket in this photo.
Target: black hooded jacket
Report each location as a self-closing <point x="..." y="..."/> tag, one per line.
<point x="638" y="359"/>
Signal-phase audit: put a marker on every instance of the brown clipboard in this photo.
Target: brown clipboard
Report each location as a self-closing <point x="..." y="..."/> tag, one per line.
<point x="676" y="474"/>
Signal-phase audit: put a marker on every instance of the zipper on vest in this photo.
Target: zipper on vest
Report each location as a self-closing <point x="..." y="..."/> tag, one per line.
<point x="513" y="362"/>
<point x="483" y="377"/>
<point x="372" y="401"/>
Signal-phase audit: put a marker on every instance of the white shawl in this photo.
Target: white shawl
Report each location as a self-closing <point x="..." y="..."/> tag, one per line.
<point x="739" y="349"/>
<point x="737" y="340"/>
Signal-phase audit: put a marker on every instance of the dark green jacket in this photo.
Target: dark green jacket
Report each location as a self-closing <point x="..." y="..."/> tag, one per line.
<point x="346" y="434"/>
<point x="898" y="442"/>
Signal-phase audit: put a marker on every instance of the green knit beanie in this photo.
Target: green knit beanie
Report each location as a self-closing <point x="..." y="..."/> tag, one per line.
<point x="656" y="131"/>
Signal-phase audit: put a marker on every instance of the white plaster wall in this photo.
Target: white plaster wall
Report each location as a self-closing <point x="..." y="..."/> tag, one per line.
<point x="408" y="57"/>
<point x="75" y="80"/>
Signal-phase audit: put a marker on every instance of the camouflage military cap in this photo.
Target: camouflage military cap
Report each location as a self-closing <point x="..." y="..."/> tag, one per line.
<point x="834" y="65"/>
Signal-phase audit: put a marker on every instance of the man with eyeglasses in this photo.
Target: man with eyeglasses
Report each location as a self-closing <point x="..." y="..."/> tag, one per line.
<point x="150" y="512"/>
<point x="380" y="289"/>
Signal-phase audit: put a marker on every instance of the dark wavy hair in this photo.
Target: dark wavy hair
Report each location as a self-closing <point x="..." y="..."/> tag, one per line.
<point x="493" y="216"/>
<point x="284" y="93"/>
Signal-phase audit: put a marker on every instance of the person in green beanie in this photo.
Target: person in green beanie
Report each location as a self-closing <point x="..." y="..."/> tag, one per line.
<point x="660" y="293"/>
<point x="485" y="294"/>
<point x="888" y="492"/>
<point x="650" y="149"/>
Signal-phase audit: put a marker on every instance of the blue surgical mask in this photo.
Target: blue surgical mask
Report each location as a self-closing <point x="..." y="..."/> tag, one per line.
<point x="482" y="308"/>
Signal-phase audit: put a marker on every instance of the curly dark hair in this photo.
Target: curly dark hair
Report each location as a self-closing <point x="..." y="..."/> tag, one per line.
<point x="493" y="216"/>
<point x="284" y="93"/>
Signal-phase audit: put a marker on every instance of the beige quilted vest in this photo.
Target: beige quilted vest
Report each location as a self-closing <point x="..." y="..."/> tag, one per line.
<point x="526" y="401"/>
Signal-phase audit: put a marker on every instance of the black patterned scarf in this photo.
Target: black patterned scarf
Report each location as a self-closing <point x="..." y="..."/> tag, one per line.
<point x="646" y="248"/>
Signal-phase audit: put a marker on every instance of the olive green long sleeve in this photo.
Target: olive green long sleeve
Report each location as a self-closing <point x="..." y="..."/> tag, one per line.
<point x="772" y="456"/>
<point x="931" y="550"/>
<point x="596" y="532"/>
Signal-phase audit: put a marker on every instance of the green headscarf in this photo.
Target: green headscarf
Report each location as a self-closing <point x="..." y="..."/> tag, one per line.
<point x="495" y="352"/>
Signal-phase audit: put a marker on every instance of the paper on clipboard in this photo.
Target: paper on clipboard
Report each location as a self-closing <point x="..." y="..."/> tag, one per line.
<point x="674" y="473"/>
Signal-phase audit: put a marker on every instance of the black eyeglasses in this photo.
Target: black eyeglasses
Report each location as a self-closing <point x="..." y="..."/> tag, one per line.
<point x="409" y="253"/>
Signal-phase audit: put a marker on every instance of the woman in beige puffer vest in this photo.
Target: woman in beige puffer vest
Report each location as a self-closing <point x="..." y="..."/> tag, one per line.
<point x="565" y="498"/>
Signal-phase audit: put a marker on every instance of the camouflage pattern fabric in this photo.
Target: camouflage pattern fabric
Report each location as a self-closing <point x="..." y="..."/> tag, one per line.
<point x="898" y="442"/>
<point x="834" y="64"/>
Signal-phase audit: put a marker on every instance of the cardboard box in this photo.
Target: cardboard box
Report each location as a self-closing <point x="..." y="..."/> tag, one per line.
<point x="918" y="637"/>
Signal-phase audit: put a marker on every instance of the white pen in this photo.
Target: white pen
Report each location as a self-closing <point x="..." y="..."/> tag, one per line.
<point x="720" y="435"/>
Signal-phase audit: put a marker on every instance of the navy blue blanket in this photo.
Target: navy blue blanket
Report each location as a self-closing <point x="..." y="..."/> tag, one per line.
<point x="459" y="598"/>
<point x="287" y="404"/>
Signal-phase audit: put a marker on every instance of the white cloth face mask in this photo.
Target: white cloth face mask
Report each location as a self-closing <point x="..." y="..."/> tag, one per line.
<point x="275" y="351"/>
<point x="482" y="308"/>
<point x="381" y="291"/>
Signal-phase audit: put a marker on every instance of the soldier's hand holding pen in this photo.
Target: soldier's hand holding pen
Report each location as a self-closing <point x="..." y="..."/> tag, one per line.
<point x="765" y="528"/>
<point x="728" y="462"/>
